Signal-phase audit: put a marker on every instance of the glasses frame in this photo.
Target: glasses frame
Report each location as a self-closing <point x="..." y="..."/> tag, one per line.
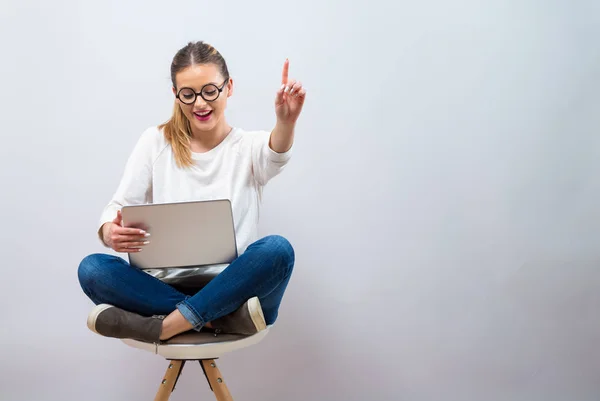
<point x="196" y="94"/>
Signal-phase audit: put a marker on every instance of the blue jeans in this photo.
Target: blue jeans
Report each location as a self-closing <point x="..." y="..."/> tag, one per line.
<point x="263" y="270"/>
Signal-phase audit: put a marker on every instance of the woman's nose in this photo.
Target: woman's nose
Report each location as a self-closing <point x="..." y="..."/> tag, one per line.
<point x="200" y="101"/>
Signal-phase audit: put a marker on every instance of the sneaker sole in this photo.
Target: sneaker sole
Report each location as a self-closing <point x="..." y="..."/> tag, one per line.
<point x="93" y="316"/>
<point x="256" y="314"/>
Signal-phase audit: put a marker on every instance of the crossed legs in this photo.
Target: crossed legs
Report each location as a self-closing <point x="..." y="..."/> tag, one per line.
<point x="262" y="271"/>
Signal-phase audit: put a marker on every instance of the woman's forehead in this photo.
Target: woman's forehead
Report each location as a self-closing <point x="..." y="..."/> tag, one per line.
<point x="199" y="75"/>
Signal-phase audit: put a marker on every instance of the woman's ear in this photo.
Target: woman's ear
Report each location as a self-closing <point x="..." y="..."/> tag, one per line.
<point x="230" y="87"/>
<point x="174" y="91"/>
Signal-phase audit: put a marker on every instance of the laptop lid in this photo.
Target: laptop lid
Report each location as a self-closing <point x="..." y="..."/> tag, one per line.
<point x="183" y="234"/>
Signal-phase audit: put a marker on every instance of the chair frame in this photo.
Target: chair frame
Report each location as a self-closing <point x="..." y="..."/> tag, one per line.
<point x="211" y="371"/>
<point x="206" y="354"/>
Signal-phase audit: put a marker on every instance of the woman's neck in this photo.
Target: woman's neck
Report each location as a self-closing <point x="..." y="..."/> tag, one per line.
<point x="203" y="141"/>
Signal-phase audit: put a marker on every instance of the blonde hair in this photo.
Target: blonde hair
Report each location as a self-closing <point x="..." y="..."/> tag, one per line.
<point x="177" y="129"/>
<point x="177" y="132"/>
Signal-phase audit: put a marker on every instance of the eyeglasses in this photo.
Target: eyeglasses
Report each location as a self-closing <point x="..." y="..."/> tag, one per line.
<point x="209" y="93"/>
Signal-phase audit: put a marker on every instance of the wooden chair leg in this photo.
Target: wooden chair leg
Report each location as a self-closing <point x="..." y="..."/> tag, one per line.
<point x="215" y="380"/>
<point x="168" y="382"/>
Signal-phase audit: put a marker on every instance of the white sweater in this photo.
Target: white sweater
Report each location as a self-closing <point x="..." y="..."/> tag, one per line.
<point x="236" y="169"/>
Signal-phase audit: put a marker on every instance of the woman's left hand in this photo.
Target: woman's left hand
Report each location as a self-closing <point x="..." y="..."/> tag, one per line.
<point x="290" y="98"/>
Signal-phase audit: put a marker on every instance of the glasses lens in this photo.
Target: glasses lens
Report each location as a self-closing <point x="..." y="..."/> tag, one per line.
<point x="187" y="96"/>
<point x="210" y="92"/>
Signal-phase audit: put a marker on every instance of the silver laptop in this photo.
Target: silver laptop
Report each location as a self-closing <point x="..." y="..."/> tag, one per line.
<point x="183" y="234"/>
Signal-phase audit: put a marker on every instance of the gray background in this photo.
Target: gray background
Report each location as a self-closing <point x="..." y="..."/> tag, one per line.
<point x="442" y="200"/>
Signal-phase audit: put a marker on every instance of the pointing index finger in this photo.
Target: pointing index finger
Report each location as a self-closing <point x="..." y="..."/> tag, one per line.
<point x="284" y="74"/>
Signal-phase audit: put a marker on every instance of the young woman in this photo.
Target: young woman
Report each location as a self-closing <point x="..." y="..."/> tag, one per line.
<point x="197" y="155"/>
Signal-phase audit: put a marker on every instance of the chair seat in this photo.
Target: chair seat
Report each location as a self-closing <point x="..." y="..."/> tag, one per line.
<point x="199" y="345"/>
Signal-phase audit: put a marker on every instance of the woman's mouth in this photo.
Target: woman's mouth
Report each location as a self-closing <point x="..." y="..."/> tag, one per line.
<point x="203" y="115"/>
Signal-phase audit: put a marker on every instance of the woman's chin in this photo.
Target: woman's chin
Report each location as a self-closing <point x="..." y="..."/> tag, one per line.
<point x="204" y="126"/>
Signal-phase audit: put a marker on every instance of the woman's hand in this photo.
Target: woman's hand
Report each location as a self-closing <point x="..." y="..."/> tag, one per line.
<point x="123" y="239"/>
<point x="290" y="98"/>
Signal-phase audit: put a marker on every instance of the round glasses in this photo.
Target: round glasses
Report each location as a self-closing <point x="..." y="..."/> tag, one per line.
<point x="209" y="93"/>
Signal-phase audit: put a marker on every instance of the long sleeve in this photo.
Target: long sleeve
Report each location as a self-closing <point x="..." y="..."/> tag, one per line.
<point x="266" y="163"/>
<point x="135" y="186"/>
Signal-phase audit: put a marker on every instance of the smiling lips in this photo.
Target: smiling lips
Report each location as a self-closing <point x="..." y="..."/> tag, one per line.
<point x="203" y="115"/>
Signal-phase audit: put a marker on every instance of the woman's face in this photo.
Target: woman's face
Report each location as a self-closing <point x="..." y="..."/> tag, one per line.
<point x="208" y="113"/>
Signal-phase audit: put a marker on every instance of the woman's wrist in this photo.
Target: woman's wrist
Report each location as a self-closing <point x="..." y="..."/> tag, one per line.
<point x="105" y="229"/>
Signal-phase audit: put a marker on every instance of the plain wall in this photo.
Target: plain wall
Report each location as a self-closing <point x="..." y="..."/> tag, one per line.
<point x="442" y="197"/>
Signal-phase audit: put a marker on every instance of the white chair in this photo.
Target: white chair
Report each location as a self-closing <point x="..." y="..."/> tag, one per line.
<point x="203" y="347"/>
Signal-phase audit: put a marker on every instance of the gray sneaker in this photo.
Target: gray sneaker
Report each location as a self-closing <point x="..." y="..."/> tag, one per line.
<point x="110" y="321"/>
<point x="248" y="319"/>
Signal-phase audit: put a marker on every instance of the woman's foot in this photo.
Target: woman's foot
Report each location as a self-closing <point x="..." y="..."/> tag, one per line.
<point x="247" y="320"/>
<point x="174" y="324"/>
<point x="110" y="321"/>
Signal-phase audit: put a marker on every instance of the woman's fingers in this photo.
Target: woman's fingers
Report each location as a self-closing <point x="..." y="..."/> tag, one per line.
<point x="131" y="231"/>
<point x="290" y="86"/>
<point x="134" y="244"/>
<point x="129" y="243"/>
<point x="118" y="219"/>
<point x="295" y="88"/>
<point x="131" y="246"/>
<point x="127" y="240"/>
<point x="284" y="73"/>
<point x="128" y="250"/>
<point x="279" y="96"/>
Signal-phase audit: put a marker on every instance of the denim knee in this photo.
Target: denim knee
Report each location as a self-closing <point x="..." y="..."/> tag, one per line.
<point x="90" y="268"/>
<point x="281" y="250"/>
